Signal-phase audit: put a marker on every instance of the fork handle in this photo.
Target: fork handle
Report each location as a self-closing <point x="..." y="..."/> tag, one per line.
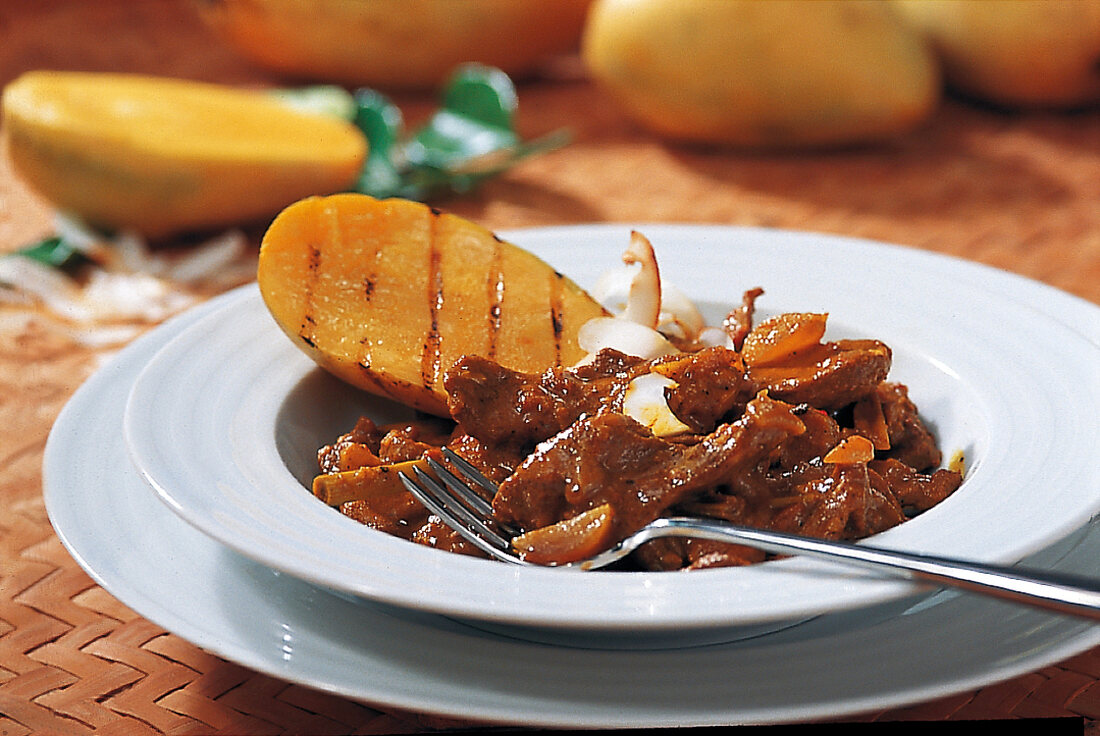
<point x="1065" y="594"/>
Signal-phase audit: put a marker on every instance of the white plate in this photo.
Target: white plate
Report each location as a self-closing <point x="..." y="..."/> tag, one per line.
<point x="226" y="419"/>
<point x="182" y="580"/>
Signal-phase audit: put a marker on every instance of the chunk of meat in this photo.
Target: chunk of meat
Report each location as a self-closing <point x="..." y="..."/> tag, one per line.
<point x="354" y="449"/>
<point x="434" y="533"/>
<point x="410" y="521"/>
<point x="398" y="514"/>
<point x="822" y="434"/>
<point x="838" y="502"/>
<point x="498" y="405"/>
<point x="911" y="441"/>
<point x="408" y="443"/>
<point x="828" y="376"/>
<point x="496" y="462"/>
<point x="709" y="385"/>
<point x="916" y="491"/>
<point x="639" y="475"/>
<point x="682" y="553"/>
<point x="501" y="406"/>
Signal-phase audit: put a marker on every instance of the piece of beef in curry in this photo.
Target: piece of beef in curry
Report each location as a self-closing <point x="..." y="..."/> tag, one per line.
<point x="757" y="450"/>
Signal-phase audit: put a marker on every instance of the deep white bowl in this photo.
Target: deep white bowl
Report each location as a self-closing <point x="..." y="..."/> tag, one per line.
<point x="225" y="421"/>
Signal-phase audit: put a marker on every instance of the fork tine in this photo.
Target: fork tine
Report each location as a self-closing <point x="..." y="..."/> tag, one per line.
<point x="453" y="508"/>
<point x="426" y="499"/>
<point x="471" y="473"/>
<point x="460" y="489"/>
<point x="480" y="503"/>
<point x="454" y="514"/>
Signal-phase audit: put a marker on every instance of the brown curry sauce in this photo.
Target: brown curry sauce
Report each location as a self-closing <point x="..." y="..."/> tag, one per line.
<point x="758" y="452"/>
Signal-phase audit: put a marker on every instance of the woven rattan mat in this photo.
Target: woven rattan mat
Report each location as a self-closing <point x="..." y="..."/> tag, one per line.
<point x="1017" y="191"/>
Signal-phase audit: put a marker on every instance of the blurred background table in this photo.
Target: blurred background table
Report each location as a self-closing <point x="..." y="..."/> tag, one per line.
<point x="1019" y="191"/>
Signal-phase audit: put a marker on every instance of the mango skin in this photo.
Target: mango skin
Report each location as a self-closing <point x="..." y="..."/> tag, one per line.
<point x="1015" y="53"/>
<point x="163" y="156"/>
<point x="763" y="74"/>
<point x="395" y="43"/>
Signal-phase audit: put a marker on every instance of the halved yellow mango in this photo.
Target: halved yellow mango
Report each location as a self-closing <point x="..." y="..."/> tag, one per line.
<point x="388" y="294"/>
<point x="161" y="156"/>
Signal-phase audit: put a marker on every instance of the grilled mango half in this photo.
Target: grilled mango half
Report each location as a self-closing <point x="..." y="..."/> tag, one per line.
<point x="387" y="294"/>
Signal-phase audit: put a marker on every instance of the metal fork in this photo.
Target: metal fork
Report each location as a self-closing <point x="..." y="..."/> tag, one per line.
<point x="465" y="506"/>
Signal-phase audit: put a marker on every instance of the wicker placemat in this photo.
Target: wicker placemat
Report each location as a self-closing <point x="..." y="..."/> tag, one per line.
<point x="1015" y="191"/>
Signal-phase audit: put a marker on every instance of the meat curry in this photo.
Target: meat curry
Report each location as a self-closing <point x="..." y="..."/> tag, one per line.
<point x="775" y="429"/>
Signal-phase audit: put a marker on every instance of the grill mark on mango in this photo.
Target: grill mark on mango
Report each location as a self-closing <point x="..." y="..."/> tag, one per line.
<point x="307" y="329"/>
<point x="430" y="355"/>
<point x="369" y="283"/>
<point x="307" y="334"/>
<point x="495" y="286"/>
<point x="557" y="286"/>
<point x="369" y="376"/>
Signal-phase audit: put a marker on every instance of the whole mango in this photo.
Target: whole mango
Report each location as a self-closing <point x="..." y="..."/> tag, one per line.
<point x="161" y="156"/>
<point x="781" y="73"/>
<point x="1015" y="53"/>
<point x="394" y="43"/>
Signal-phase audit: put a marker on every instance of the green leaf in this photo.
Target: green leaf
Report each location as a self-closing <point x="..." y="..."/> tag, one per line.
<point x="483" y="94"/>
<point x="477" y="118"/>
<point x="53" y="251"/>
<point x="470" y="138"/>
<point x="383" y="125"/>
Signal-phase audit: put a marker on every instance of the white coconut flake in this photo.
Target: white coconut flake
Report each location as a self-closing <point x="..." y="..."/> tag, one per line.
<point x="131" y="253"/>
<point x="206" y="260"/>
<point x="46" y="285"/>
<point x="679" y="316"/>
<point x="612" y="288"/>
<point x="647" y="311"/>
<point x="73" y="231"/>
<point x="715" y="337"/>
<point x="121" y="296"/>
<point x="126" y="289"/>
<point x="646" y="401"/>
<point x="643" y="304"/>
<point x="622" y="335"/>
<point x="106" y="337"/>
